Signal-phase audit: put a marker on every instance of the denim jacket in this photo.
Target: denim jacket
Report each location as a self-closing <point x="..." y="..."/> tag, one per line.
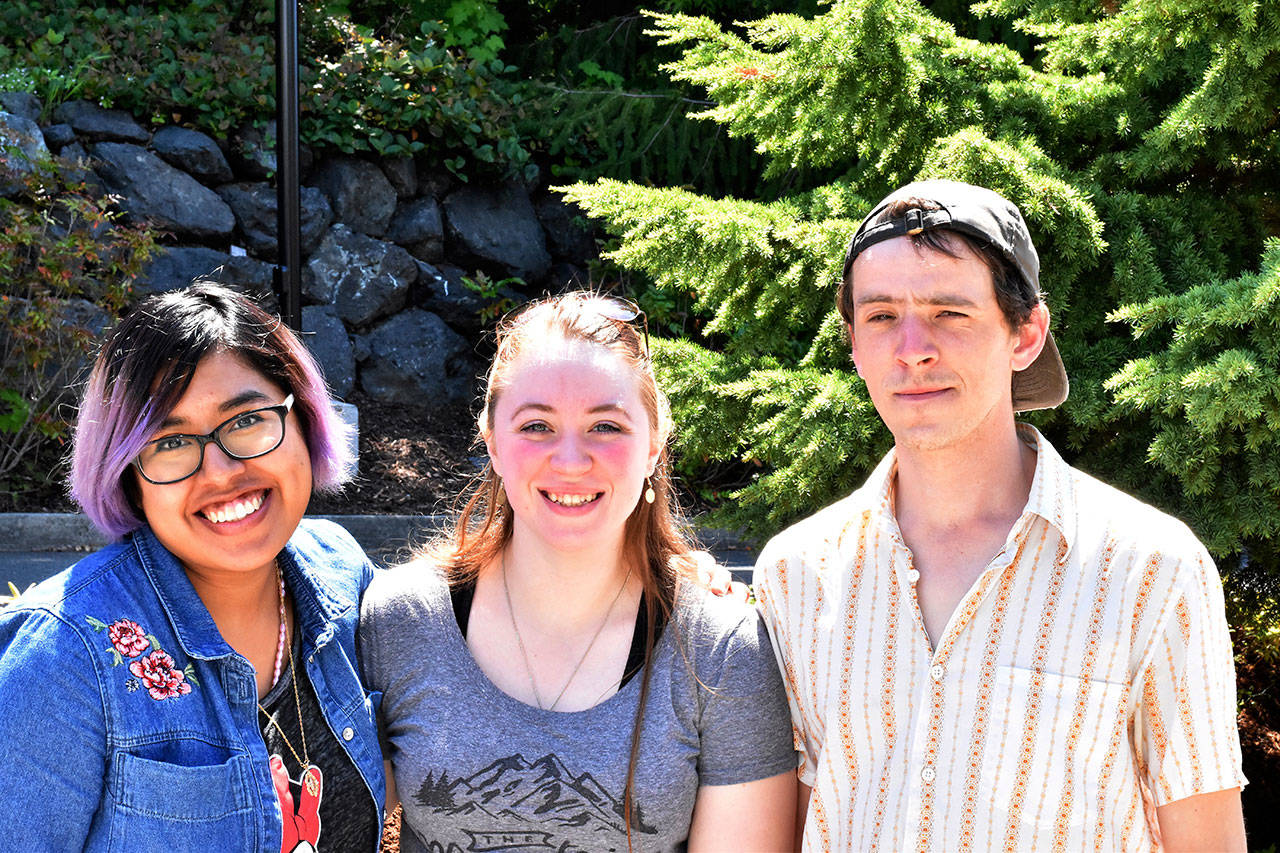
<point x="128" y="723"/>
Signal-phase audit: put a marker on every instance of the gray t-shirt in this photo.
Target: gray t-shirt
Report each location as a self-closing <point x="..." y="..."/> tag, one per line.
<point x="478" y="770"/>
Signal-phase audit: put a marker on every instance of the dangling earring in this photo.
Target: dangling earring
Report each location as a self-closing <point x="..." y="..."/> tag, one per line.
<point x="649" y="496"/>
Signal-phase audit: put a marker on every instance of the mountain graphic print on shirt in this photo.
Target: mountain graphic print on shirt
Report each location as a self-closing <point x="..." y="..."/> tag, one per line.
<point x="518" y="805"/>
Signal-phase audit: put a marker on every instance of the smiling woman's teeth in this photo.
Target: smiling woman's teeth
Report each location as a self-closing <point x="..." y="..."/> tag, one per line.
<point x="235" y="510"/>
<point x="572" y="500"/>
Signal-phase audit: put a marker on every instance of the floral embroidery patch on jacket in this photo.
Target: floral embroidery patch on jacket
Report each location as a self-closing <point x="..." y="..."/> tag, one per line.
<point x="155" y="671"/>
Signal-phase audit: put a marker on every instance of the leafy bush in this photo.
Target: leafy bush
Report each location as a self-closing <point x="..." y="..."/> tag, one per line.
<point x="203" y="64"/>
<point x="1210" y="396"/>
<point x="599" y="106"/>
<point x="401" y="98"/>
<point x="67" y="267"/>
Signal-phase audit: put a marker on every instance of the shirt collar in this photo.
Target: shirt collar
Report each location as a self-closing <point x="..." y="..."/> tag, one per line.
<point x="315" y="607"/>
<point x="1052" y="495"/>
<point x="1053" y="492"/>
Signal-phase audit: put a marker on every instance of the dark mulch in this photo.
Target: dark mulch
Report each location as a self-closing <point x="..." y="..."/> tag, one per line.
<point x="413" y="460"/>
<point x="391" y="831"/>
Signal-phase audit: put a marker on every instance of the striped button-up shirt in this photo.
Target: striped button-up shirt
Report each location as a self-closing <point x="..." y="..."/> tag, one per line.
<point x="1083" y="680"/>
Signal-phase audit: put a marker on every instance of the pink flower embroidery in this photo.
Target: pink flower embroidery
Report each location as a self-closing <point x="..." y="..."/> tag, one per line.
<point x="174" y="686"/>
<point x="159" y="676"/>
<point x="128" y="637"/>
<point x="156" y="671"/>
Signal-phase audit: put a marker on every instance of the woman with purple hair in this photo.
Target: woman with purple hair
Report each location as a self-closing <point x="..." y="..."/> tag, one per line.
<point x="193" y="685"/>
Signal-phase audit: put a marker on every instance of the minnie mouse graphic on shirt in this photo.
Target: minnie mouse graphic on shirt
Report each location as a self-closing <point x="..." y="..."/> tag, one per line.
<point x="301" y="822"/>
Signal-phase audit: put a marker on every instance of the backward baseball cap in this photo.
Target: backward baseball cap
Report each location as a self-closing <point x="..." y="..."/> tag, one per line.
<point x="990" y="218"/>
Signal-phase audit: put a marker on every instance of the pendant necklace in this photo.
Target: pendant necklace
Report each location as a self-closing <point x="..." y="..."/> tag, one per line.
<point x="528" y="667"/>
<point x="301" y="822"/>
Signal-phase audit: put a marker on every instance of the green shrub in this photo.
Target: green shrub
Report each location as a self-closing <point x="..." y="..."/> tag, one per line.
<point x="211" y="67"/>
<point x="401" y="98"/>
<point x="599" y="106"/>
<point x="64" y="260"/>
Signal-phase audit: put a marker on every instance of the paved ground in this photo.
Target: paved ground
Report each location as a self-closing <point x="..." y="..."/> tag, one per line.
<point x="34" y="546"/>
<point x="23" y="568"/>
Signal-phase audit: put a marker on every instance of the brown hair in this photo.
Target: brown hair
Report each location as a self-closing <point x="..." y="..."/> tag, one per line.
<point x="1015" y="297"/>
<point x="656" y="544"/>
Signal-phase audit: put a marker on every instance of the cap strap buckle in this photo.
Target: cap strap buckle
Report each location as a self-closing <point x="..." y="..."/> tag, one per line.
<point x="914" y="220"/>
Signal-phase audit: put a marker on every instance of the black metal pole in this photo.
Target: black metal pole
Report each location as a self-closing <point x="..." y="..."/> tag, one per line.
<point x="288" y="271"/>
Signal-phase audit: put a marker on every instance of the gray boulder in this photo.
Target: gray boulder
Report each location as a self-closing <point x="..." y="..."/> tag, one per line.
<point x="432" y="180"/>
<point x="403" y="175"/>
<point x="414" y="358"/>
<point x="253" y="278"/>
<point x="328" y="341"/>
<point x="499" y="228"/>
<point x="58" y="136"/>
<point x="21" y="147"/>
<point x="360" y="348"/>
<point x="77" y="168"/>
<point x="154" y="191"/>
<point x="363" y="278"/>
<point x="22" y="104"/>
<point x="254" y="150"/>
<point x="177" y="266"/>
<point x="568" y="236"/>
<point x="96" y="124"/>
<point x="362" y="197"/>
<point x="316" y="217"/>
<point x="441" y="291"/>
<point x="566" y="276"/>
<point x="86" y="315"/>
<point x="193" y="152"/>
<point x="256" y="208"/>
<point x="418" y="226"/>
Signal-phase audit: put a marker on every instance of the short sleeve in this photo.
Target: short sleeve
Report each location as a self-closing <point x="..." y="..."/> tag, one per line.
<point x="1186" y="736"/>
<point x="52" y="733"/>
<point x="745" y="729"/>
<point x="776" y="613"/>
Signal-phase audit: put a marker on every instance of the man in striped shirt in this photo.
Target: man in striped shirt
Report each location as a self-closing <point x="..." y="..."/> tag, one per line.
<point x="983" y="647"/>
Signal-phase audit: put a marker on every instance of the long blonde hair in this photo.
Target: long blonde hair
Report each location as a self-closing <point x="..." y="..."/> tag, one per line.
<point x="656" y="543"/>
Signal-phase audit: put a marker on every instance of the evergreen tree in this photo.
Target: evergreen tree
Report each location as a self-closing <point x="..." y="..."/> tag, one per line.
<point x="1140" y="140"/>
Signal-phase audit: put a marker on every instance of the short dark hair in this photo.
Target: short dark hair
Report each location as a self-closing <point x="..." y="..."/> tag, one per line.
<point x="143" y="369"/>
<point x="1015" y="296"/>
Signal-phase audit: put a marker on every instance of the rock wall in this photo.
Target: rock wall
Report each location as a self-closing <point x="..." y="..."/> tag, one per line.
<point x="385" y="244"/>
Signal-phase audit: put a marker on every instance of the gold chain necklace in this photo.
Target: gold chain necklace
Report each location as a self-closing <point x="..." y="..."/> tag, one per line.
<point x="304" y="760"/>
<point x="528" y="667"/>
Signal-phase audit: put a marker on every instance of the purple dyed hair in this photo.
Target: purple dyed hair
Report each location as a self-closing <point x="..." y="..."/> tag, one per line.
<point x="144" y="368"/>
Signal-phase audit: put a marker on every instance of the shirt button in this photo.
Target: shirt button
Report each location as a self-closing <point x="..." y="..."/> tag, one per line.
<point x="913" y="575"/>
<point x="348" y="733"/>
<point x="928" y="774"/>
<point x="936" y="672"/>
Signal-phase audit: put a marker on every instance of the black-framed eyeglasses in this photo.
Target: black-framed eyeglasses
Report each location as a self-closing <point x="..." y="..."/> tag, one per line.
<point x="624" y="310"/>
<point x="247" y="435"/>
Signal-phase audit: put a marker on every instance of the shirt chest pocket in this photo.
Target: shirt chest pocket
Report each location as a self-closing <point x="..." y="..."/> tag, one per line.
<point x="1052" y="741"/>
<point x="201" y="807"/>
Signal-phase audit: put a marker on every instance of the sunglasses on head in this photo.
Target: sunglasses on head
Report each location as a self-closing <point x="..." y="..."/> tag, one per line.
<point x="624" y="311"/>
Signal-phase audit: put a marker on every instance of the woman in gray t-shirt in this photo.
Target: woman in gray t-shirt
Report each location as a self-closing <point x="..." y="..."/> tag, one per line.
<point x="550" y="677"/>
